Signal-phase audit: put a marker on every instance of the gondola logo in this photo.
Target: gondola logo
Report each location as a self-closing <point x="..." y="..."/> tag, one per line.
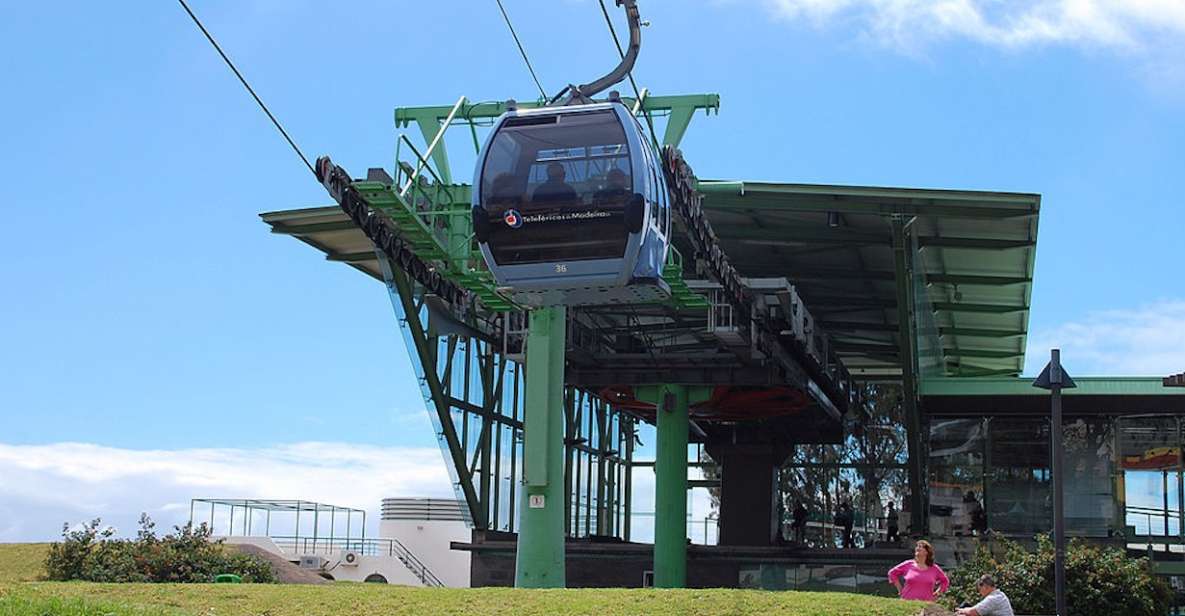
<point x="513" y="219"/>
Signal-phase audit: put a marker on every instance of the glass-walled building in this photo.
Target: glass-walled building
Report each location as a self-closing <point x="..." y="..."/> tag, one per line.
<point x="989" y="459"/>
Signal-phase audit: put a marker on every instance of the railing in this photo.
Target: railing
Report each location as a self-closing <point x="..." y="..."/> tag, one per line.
<point x="299" y="546"/>
<point x="1148" y="513"/>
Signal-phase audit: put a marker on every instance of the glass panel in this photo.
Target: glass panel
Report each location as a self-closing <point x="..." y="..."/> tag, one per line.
<point x="1018" y="496"/>
<point x="1089" y="446"/>
<point x="956" y="477"/>
<point x="1149" y="455"/>
<point x="556" y="187"/>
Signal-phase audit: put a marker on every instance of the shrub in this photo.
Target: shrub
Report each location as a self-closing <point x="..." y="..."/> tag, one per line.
<point x="91" y="554"/>
<point x="1099" y="581"/>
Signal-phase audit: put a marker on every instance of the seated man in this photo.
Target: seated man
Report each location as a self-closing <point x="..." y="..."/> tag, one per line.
<point x="994" y="602"/>
<point x="614" y="190"/>
<point x="555" y="189"/>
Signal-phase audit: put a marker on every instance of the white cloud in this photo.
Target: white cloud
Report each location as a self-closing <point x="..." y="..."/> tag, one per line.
<point x="43" y="486"/>
<point x="1132" y="25"/>
<point x="1146" y="341"/>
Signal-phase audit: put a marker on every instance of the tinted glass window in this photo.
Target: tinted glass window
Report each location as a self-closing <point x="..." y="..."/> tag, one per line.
<point x="556" y="187"/>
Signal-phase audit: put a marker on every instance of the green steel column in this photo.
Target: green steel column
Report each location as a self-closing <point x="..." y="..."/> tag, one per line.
<point x="540" y="558"/>
<point x="670" y="490"/>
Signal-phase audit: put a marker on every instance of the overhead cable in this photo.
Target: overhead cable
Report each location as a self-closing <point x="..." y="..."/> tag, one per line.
<point x="247" y="85"/>
<point x="527" y="60"/>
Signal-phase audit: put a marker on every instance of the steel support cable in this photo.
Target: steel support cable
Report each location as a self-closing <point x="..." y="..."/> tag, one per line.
<point x="276" y="122"/>
<point x="630" y="74"/>
<point x="527" y="60"/>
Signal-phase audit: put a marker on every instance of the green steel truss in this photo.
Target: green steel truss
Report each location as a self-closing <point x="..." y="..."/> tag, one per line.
<point x="475" y="396"/>
<point x="431" y="212"/>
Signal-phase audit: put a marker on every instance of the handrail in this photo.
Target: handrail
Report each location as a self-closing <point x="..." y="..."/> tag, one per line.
<point x="432" y="146"/>
<point x="370" y="546"/>
<point x="424" y="574"/>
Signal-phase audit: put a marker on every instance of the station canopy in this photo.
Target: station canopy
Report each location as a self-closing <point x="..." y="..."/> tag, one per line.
<point x="971" y="268"/>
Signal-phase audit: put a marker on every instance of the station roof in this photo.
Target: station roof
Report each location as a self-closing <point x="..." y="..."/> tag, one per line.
<point x="834" y="243"/>
<point x="1014" y="396"/>
<point x="976" y="252"/>
<point x="329" y="230"/>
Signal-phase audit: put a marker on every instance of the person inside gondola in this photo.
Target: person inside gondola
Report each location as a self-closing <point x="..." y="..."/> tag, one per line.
<point x="614" y="190"/>
<point x="503" y="194"/>
<point x="555" y="190"/>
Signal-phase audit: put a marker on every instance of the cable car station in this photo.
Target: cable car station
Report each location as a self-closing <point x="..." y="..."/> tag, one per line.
<point x="587" y="287"/>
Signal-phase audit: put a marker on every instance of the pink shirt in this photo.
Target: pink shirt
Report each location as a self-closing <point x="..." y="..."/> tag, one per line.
<point x="919" y="583"/>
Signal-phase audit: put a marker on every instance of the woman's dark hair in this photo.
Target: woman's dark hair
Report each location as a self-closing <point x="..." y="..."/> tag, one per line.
<point x="925" y="545"/>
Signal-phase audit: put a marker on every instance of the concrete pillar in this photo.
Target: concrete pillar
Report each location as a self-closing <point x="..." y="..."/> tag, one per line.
<point x="748" y="490"/>
<point x="539" y="560"/>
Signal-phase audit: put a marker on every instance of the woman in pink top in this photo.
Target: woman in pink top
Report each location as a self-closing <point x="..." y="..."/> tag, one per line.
<point x="921" y="575"/>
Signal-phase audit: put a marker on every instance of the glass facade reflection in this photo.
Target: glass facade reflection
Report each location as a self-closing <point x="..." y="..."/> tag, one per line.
<point x="1123" y="476"/>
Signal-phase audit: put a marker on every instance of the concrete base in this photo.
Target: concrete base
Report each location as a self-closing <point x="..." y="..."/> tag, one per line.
<point x="593" y="564"/>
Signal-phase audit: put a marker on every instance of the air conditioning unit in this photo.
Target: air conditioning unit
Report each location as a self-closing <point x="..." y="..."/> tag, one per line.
<point x="350" y="558"/>
<point x="312" y="562"/>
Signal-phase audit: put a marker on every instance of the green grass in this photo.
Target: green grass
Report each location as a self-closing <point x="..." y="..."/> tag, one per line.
<point x="43" y="606"/>
<point x="21" y="597"/>
<point x="343" y="599"/>
<point x="22" y="562"/>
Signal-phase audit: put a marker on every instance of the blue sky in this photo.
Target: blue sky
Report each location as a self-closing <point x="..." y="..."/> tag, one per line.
<point x="146" y="307"/>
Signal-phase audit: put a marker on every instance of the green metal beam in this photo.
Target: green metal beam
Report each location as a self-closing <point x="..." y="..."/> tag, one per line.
<point x="967" y="370"/>
<point x="733" y="195"/>
<point x="860" y="347"/>
<point x="797" y="234"/>
<point x="834" y="301"/>
<point x="540" y="553"/>
<point x="290" y="229"/>
<point x="835" y="273"/>
<point x="488" y="110"/>
<point x="978" y="332"/>
<point x="982" y="353"/>
<point x="678" y="108"/>
<point x="351" y="257"/>
<point x="983" y="308"/>
<point x="400" y="289"/>
<point x="902" y="260"/>
<point x="837" y="326"/>
<point x="973" y="243"/>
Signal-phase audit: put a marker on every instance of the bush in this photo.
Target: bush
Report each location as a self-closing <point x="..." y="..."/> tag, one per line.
<point x="90" y="554"/>
<point x="1099" y="581"/>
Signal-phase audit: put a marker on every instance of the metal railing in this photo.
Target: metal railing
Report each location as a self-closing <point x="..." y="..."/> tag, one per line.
<point x="299" y="546"/>
<point x="1162" y="516"/>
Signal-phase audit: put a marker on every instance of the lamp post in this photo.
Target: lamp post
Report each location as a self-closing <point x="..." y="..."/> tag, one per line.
<point x="1055" y="380"/>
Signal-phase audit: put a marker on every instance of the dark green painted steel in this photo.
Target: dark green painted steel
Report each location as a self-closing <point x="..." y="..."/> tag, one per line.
<point x="539" y="561"/>
<point x="903" y="257"/>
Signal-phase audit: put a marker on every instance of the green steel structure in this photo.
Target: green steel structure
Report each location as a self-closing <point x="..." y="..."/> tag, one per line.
<point x="837" y="285"/>
<point x="572" y="470"/>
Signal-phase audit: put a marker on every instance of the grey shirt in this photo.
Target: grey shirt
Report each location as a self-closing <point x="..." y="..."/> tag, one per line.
<point x="996" y="603"/>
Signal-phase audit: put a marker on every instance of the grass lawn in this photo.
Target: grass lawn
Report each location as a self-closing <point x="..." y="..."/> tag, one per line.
<point x="19" y="597"/>
<point x="22" y="562"/>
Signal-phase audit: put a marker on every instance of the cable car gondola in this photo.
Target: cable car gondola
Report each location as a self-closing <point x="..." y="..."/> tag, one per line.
<point x="570" y="204"/>
<point x="571" y="207"/>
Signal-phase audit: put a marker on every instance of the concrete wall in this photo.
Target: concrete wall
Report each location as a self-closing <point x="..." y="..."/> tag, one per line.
<point x="429" y="541"/>
<point x="387" y="566"/>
